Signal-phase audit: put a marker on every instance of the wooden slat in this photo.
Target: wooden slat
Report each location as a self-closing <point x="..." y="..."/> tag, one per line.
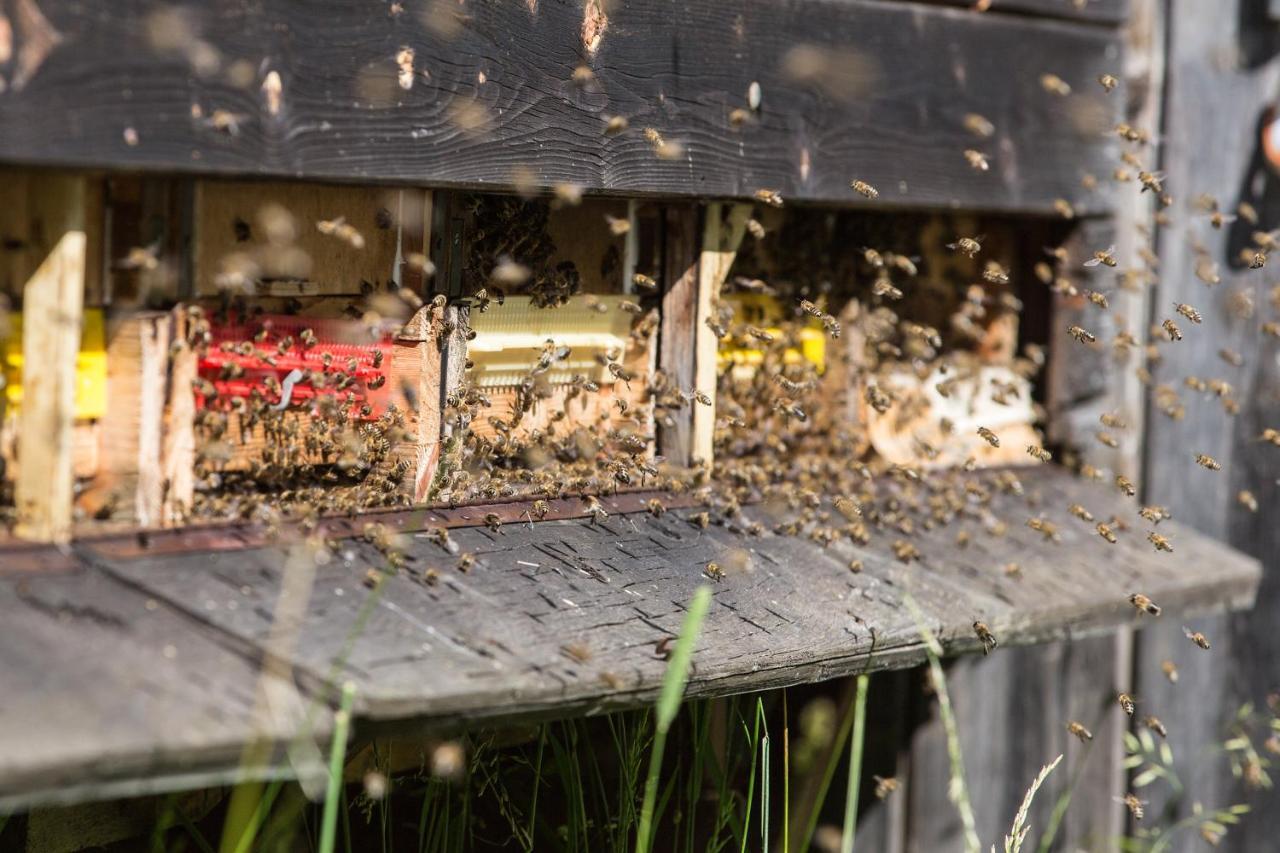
<point x="676" y="341"/>
<point x="1207" y="100"/>
<point x="1094" y="11"/>
<point x="872" y="90"/>
<point x="53" y="300"/>
<point x="723" y="227"/>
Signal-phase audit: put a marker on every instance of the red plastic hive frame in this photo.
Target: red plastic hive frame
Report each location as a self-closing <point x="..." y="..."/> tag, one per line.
<point x="340" y="339"/>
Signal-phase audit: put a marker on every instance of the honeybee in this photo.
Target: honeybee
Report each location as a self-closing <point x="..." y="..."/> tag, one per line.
<point x="1105" y="256"/>
<point x="885" y="786"/>
<point x="1144" y="604"/>
<point x="1107" y="439"/>
<point x="615" y="124"/>
<point x="977" y="160"/>
<point x="1154" y="514"/>
<point x="373" y="578"/>
<point x="466" y="561"/>
<point x="865" y="189"/>
<point x="1207" y="271"/>
<point x="1124" y="485"/>
<point x="994" y="273"/>
<point x="970" y="246"/>
<point x="755" y="229"/>
<point x="1106" y="533"/>
<point x="1196" y="637"/>
<point x="1247" y="500"/>
<point x="773" y="198"/>
<point x="884" y="287"/>
<point x="1187" y="311"/>
<point x="989" y="437"/>
<point x="905" y="551"/>
<point x="1098" y="298"/>
<point x="1045" y="528"/>
<point x="1132" y="134"/>
<point x="1171" y="329"/>
<point x="1152" y="181"/>
<point x="714" y="571"/>
<point x="1055" y="85"/>
<point x="1064" y="208"/>
<point x="979" y="126"/>
<point x="984" y="634"/>
<point x="1108" y="82"/>
<point x="1039" y="453"/>
<point x="855" y="566"/>
<point x="644" y="282"/>
<point x="342" y="230"/>
<point x="1078" y="730"/>
<point x="1080" y="512"/>
<point x="1134" y="805"/>
<point x="578" y="652"/>
<point x="1079" y="333"/>
<point x="1155" y="725"/>
<point x="1170" y="671"/>
<point x="1126" y="703"/>
<point x="1205" y="461"/>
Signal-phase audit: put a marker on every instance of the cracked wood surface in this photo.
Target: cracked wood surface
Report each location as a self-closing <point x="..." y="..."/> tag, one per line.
<point x="120" y="666"/>
<point x="483" y="96"/>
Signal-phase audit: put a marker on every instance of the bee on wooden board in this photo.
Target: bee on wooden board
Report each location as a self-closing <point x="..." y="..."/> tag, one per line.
<point x="865" y="189"/>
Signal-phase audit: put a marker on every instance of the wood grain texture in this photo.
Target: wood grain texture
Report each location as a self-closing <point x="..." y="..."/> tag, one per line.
<point x="722" y="230"/>
<point x="53" y="301"/>
<point x="1094" y="11"/>
<point x="489" y="645"/>
<point x="862" y="89"/>
<point x="681" y="249"/>
<point x="1211" y="125"/>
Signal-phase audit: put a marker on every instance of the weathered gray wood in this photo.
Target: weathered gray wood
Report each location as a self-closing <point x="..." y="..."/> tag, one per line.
<point x="1211" y="122"/>
<point x="486" y="99"/>
<point x="681" y="251"/>
<point x="109" y="691"/>
<point x="1098" y="11"/>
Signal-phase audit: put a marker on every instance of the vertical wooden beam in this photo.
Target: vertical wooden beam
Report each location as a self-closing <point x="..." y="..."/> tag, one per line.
<point x="178" y="458"/>
<point x="680" y="268"/>
<point x="52" y="308"/>
<point x="721" y="237"/>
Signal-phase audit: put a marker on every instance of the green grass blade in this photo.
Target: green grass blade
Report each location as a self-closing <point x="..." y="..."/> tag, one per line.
<point x="764" y="792"/>
<point x="673" y="684"/>
<point x="337" y="760"/>
<point x="751" y="775"/>
<point x="855" y="766"/>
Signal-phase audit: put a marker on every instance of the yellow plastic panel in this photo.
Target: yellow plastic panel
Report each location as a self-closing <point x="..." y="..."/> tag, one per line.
<point x="764" y="311"/>
<point x="91" y="366"/>
<point x="510" y="338"/>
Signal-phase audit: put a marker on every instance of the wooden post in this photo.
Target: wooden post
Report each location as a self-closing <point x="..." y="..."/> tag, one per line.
<point x="721" y="236"/>
<point x="179" y="455"/>
<point x="52" y="307"/>
<point x="677" y="339"/>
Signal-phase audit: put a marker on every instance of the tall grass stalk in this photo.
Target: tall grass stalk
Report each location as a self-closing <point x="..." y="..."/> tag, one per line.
<point x="673" y="684"/>
<point x="786" y="776"/>
<point x="1018" y="832"/>
<point x="957" y="790"/>
<point x="764" y="792"/>
<point x="754" y="740"/>
<point x="855" y="766"/>
<point x="337" y="760"/>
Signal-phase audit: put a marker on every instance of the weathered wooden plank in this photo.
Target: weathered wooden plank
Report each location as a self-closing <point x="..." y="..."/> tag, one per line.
<point x="1211" y="131"/>
<point x="53" y="300"/>
<point x="486" y="97"/>
<point x="722" y="230"/>
<point x="491" y="642"/>
<point x="681" y="249"/>
<point x="1095" y="11"/>
<point x="110" y="690"/>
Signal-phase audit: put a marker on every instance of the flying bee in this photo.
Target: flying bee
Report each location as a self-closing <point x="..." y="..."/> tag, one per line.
<point x="1171" y="329"/>
<point x="1170" y="671"/>
<point x="979" y="126"/>
<point x="977" y="160"/>
<point x="1105" y="256"/>
<point x="1160" y="543"/>
<point x="1064" y="208"/>
<point x="1257" y="260"/>
<point x="755" y="229"/>
<point x="1187" y="311"/>
<point x="865" y="189"/>
<point x="1055" y="85"/>
<point x="630" y="307"/>
<point x="1126" y="703"/>
<point x="758" y="334"/>
<point x="1112" y="420"/>
<point x="994" y="273"/>
<point x="644" y="282"/>
<point x="1107" y="439"/>
<point x="1132" y="134"/>
<point x="702" y="397"/>
<point x="1217" y="219"/>
<point x="1207" y="271"/>
<point x="773" y="198"/>
<point x="1078" y="730"/>
<point x="1154" y="514"/>
<point x="1143" y="604"/>
<point x="1155" y="725"/>
<point x="1108" y="82"/>
<point x="1098" y="299"/>
<point x="1039" y="453"/>
<point x="1133" y="804"/>
<point x="810" y="308"/>
<point x="714" y="571"/>
<point x="989" y="437"/>
<point x="1124" y="485"/>
<point x="1247" y="500"/>
<point x="1047" y="529"/>
<point x="1080" y="512"/>
<point x="988" y="639"/>
<point x="1196" y="637"/>
<point x="885" y="786"/>
<point x="1206" y="461"/>
<point x="1080" y="334"/>
<point x="1106" y="533"/>
<point x="970" y="246"/>
<point x="884" y="287"/>
<point x="1152" y="181"/>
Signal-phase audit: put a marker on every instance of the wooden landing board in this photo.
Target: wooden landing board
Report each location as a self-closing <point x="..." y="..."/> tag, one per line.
<point x="1095" y="11"/>
<point x="484" y="96"/>
<point x="555" y="618"/>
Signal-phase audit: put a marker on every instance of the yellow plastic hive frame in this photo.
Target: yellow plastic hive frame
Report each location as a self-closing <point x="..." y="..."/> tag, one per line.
<point x="509" y="339"/>
<point x="91" y="366"/>
<point x="765" y="311"/>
